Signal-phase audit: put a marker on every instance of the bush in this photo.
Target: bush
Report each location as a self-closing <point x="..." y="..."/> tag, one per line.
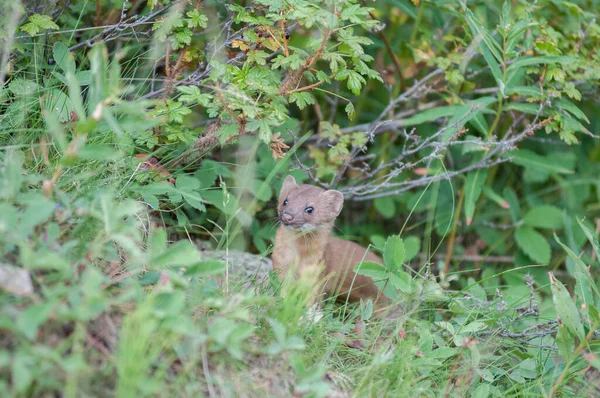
<point x="137" y="137"/>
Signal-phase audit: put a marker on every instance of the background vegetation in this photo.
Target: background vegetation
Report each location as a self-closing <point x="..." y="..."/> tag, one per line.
<point x="137" y="137"/>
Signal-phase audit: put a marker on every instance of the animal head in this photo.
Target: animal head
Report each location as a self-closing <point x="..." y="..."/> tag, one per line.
<point x="306" y="207"/>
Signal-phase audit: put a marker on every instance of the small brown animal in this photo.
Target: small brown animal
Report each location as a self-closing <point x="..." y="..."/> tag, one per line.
<point x="303" y="240"/>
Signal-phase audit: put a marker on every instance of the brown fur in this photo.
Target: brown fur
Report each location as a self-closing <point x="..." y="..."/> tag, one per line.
<point x="303" y="240"/>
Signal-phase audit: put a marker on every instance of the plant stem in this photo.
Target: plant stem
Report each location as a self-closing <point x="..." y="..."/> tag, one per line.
<point x="450" y="248"/>
<point x="413" y="34"/>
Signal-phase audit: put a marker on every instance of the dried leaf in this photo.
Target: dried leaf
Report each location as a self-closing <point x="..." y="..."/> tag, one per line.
<point x="278" y="146"/>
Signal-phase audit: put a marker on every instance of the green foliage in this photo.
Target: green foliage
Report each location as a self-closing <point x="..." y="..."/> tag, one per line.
<point x="38" y="23"/>
<point x="132" y="133"/>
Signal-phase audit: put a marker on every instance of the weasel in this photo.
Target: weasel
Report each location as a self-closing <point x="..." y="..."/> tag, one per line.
<point x="307" y="214"/>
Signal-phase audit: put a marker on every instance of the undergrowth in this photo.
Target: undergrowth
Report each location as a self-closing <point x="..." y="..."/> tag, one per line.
<point x="121" y="219"/>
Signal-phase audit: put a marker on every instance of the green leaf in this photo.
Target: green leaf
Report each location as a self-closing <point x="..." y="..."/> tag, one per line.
<point x="527" y="158"/>
<point x="37" y="23"/>
<point x="181" y="254"/>
<point x="196" y="19"/>
<point x="227" y="131"/>
<point x="513" y="201"/>
<point x="432" y="291"/>
<point x="59" y="104"/>
<point x="526" y="91"/>
<point x="493" y="196"/>
<point x="385" y="206"/>
<point x="149" y="278"/>
<point x="63" y="58"/>
<point x="401" y="280"/>
<point x="187" y="182"/>
<point x="394" y="253"/>
<point x="302" y="99"/>
<point x="350" y="110"/>
<point x="478" y="29"/>
<point x="496" y="72"/>
<point x="591" y="237"/>
<point x="584" y="283"/>
<point x="206" y="268"/>
<point x="258" y="56"/>
<point x="263" y="127"/>
<point x="10" y="173"/>
<point x="546" y="216"/>
<point x="355" y="82"/>
<point x="23" y="366"/>
<point x="482" y="391"/>
<point x="32" y="318"/>
<point x="565" y="343"/>
<point x="572" y="109"/>
<point x="430" y="115"/>
<point x="565" y="307"/>
<point x="375" y="271"/>
<point x="406" y="7"/>
<point x="99" y="152"/>
<point x="192" y="94"/>
<point x="39" y="210"/>
<point x="533" y="244"/>
<point x="528" y="61"/>
<point x="475" y="181"/>
<point x="413" y="246"/>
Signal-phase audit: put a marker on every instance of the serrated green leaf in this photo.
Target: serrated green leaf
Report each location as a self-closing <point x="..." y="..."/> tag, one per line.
<point x="38" y="23"/>
<point x="187" y="182"/>
<point x="394" y="253"/>
<point x="375" y="271"/>
<point x="302" y="99"/>
<point x="401" y="280"/>
<point x="546" y="216"/>
<point x="350" y="110"/>
<point x="533" y="244"/>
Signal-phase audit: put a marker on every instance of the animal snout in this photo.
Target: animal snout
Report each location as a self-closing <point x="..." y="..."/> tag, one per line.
<point x="286" y="217"/>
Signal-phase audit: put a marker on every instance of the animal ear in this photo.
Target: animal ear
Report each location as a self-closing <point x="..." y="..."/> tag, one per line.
<point x="288" y="183"/>
<point x="335" y="199"/>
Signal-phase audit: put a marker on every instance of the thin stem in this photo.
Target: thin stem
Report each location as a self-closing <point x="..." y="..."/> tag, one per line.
<point x="450" y="248"/>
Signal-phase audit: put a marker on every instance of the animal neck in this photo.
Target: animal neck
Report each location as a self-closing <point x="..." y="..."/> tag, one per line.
<point x="309" y="244"/>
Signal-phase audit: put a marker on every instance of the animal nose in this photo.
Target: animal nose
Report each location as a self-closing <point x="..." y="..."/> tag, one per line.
<point x="286" y="217"/>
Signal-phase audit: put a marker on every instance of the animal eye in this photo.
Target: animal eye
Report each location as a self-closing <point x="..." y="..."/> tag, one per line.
<point x="309" y="210"/>
<point x="285" y="202"/>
